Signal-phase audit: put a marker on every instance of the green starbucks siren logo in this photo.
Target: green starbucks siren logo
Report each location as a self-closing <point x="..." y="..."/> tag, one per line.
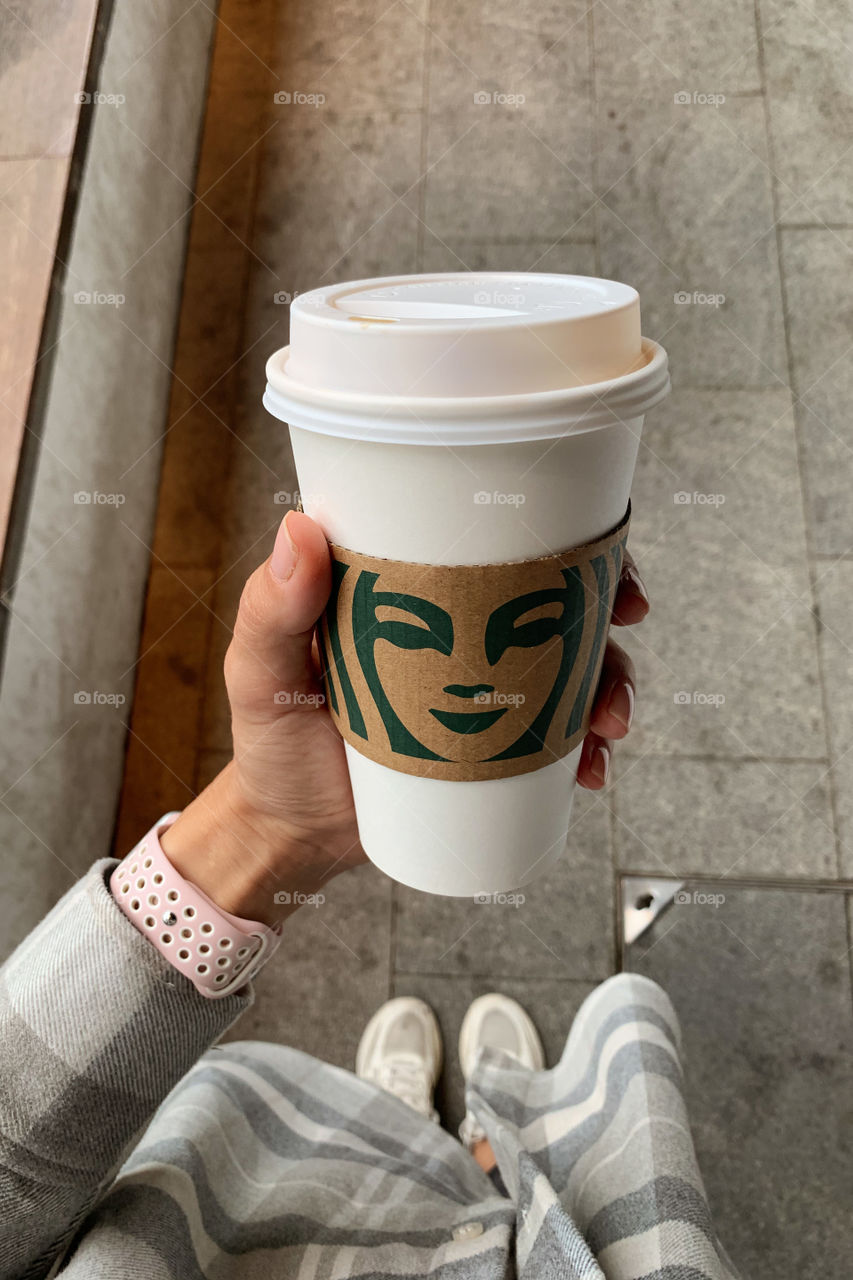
<point x="468" y="671"/>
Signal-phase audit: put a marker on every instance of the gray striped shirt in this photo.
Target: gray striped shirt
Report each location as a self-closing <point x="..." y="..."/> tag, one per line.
<point x="134" y="1146"/>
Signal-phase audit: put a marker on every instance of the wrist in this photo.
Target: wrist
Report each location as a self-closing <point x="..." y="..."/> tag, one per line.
<point x="232" y="854"/>
<point x="216" y="949"/>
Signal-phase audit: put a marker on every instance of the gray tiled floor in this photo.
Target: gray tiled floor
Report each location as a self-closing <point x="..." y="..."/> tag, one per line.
<point x="499" y="166"/>
<point x="601" y="169"/>
<point x="686" y="209"/>
<point x="807" y="57"/>
<point x="713" y="817"/>
<point x="727" y="571"/>
<point x="604" y="169"/>
<point x="761" y="985"/>
<point x="459" y="254"/>
<point x="817" y="268"/>
<point x="658" y="48"/>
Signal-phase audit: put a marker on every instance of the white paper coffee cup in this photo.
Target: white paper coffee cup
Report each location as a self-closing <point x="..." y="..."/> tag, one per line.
<point x="465" y="419"/>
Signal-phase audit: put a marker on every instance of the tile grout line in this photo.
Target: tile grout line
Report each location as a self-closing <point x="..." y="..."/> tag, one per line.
<point x="848" y="919"/>
<point x="798" y="438"/>
<point x="801" y="884"/>
<point x="616" y="957"/>
<point x="392" y="942"/>
<point x="620" y="949"/>
<point x="699" y="757"/>
<point x="815" y="226"/>
<point x="394" y="906"/>
<point x="593" y="96"/>
<point x="489" y="976"/>
<point x="730" y="388"/>
<point x="424" y="148"/>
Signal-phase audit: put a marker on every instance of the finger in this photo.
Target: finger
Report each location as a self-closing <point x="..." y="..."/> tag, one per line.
<point x="632" y="602"/>
<point x="613" y="708"/>
<point x="594" y="763"/>
<point x="271" y="649"/>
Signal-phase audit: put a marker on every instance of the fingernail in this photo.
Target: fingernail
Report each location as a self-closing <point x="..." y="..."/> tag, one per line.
<point x="284" y="554"/>
<point x="600" y="763"/>
<point x="637" y="582"/>
<point x="621" y="704"/>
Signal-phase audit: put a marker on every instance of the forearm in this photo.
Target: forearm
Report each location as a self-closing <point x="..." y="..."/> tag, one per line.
<point x="95" y="1029"/>
<point x="96" y="1026"/>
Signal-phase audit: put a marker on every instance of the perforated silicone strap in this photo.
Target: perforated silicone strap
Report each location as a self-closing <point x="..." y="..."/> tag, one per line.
<point x="218" y="952"/>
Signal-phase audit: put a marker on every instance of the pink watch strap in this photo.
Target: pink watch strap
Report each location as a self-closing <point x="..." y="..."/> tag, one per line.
<point x="218" y="952"/>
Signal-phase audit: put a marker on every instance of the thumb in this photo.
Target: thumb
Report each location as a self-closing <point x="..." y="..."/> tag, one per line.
<point x="270" y="651"/>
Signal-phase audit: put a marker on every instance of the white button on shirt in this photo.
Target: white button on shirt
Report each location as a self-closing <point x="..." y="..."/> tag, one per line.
<point x="468" y="1231"/>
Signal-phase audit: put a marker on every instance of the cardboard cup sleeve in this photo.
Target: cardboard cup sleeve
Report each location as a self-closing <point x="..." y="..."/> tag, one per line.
<point x="468" y="672"/>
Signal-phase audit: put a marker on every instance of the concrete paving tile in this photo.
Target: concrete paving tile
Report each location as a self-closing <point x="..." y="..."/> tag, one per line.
<point x="807" y="62"/>
<point x="712" y="817"/>
<point x="733" y="454"/>
<point x="563" y="928"/>
<point x="686" y="216"/>
<point x="564" y="256"/>
<point x="517" y="44"/>
<point x="541" y="187"/>
<point x="510" y="126"/>
<point x="835" y="597"/>
<point x="761" y="985"/>
<point x="363" y="57"/>
<point x="727" y="658"/>
<point x="659" y="49"/>
<point x="337" y="195"/>
<point x="817" y="269"/>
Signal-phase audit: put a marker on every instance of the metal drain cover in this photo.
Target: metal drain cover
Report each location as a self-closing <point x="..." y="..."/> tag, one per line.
<point x="643" y="900"/>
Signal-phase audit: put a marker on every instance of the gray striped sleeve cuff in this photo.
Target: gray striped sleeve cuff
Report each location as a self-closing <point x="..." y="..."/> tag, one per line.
<point x="96" y="1027"/>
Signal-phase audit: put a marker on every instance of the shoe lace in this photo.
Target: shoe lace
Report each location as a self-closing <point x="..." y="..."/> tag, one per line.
<point x="406" y="1078"/>
<point x="470" y="1131"/>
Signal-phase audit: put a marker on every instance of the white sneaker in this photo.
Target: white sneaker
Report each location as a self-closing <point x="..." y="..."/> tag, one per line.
<point x="500" y="1023"/>
<point x="400" y="1050"/>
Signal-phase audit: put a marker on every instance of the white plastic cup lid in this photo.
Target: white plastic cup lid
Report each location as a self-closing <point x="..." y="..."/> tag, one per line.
<point x="465" y="358"/>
